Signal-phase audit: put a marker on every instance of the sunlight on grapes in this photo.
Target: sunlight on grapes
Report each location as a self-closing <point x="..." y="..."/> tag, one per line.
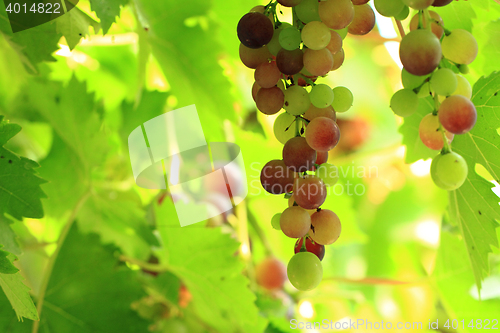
<point x="306" y="310"/>
<point x="421" y="168"/>
<point x="428" y="231"/>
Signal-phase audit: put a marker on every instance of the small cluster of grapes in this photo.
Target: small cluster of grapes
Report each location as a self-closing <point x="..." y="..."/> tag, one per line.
<point x="434" y="59"/>
<point x="287" y="60"/>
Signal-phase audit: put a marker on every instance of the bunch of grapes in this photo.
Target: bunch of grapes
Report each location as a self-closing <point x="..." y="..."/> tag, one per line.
<point x="434" y="60"/>
<point x="288" y="59"/>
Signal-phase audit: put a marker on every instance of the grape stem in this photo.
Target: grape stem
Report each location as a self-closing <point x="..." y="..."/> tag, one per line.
<point x="400" y="28"/>
<point x="446" y="144"/>
<point x="428" y="20"/>
<point x="303" y="247"/>
<point x="297" y="127"/>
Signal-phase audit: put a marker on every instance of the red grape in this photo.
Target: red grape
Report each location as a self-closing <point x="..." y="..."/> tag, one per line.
<point x="457" y="114"/>
<point x="276" y="178"/>
<point x="255" y="30"/>
<point x="311" y="246"/>
<point x="297" y="154"/>
<point x="322" y="134"/>
<point x="420" y="52"/>
<point x="271" y="273"/>
<point x="309" y="192"/>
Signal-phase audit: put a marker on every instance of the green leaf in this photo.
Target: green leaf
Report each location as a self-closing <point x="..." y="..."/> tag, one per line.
<point x="189" y="57"/>
<point x="74" y="25"/>
<point x="457" y="15"/>
<point x="204" y="260"/>
<point x="8" y="237"/>
<point x="6" y="266"/>
<point x="18" y="295"/>
<point x="474" y="207"/>
<point x="119" y="219"/>
<point x="107" y="11"/>
<point x="20" y="191"/>
<point x="415" y="149"/>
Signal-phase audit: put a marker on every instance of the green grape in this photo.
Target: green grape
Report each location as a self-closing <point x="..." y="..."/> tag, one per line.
<point x="304" y="271"/>
<point x="321" y="96"/>
<point x="342" y="32"/>
<point x="418" y="4"/>
<point x="290" y="39"/>
<point x="275" y="221"/>
<point x="464" y="69"/>
<point x="404" y="102"/>
<point x="307" y="11"/>
<point x="316" y="35"/>
<point x="284" y="127"/>
<point x="328" y="173"/>
<point x="296" y="100"/>
<point x="444" y="82"/>
<point x="463" y="87"/>
<point x="424" y="91"/>
<point x="449" y="171"/>
<point x="274" y="45"/>
<point x="403" y="14"/>
<point x="389" y="7"/>
<point x="342" y="100"/>
<point x="411" y="81"/>
<point x="460" y="47"/>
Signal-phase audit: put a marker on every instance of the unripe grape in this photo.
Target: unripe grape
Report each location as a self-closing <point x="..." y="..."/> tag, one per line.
<point x="411" y="81"/>
<point x="436" y="28"/>
<point x="276" y="178"/>
<point x="322" y="134"/>
<point x="289" y="38"/>
<point x="457" y="114"/>
<point x="388" y="7"/>
<point x="298" y="155"/>
<point x="336" y="14"/>
<point x="430" y="134"/>
<point x="316" y="35"/>
<point x="271" y="273"/>
<point x="296" y="100"/>
<point x="460" y="47"/>
<point x="363" y="21"/>
<point x="463" y="87"/>
<point x="325" y="227"/>
<point x="342" y="99"/>
<point x="418" y="4"/>
<point x="270" y="100"/>
<point x="284" y="127"/>
<point x="404" y="102"/>
<point x="295" y="222"/>
<point x="309" y="192"/>
<point x="321" y="96"/>
<point x="254" y="57"/>
<point x="304" y="271"/>
<point x="255" y="30"/>
<point x="328" y="173"/>
<point x="444" y="82"/>
<point x="318" y="62"/>
<point x="290" y="62"/>
<point x="307" y="11"/>
<point x="420" y="52"/>
<point x="275" y="221"/>
<point x="449" y="171"/>
<point x="403" y="14"/>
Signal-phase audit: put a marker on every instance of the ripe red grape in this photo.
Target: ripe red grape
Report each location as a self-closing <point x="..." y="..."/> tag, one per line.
<point x="314" y="112"/>
<point x="270" y="100"/>
<point x="254" y="57"/>
<point x="318" y="62"/>
<point x="311" y="246"/>
<point x="336" y="14"/>
<point x="309" y="192"/>
<point x="363" y="21"/>
<point x="290" y="62"/>
<point x="457" y="114"/>
<point x="297" y="154"/>
<point x="276" y="178"/>
<point x="322" y="134"/>
<point x="255" y="30"/>
<point x="271" y="273"/>
<point x="420" y="52"/>
<point x="430" y="134"/>
<point x="267" y="74"/>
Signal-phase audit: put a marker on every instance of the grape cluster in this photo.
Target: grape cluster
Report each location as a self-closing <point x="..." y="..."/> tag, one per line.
<point x="434" y="60"/>
<point x="288" y="59"/>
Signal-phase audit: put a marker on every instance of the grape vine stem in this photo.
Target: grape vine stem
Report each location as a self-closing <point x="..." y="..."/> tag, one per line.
<point x="53" y="258"/>
<point x="400" y="28"/>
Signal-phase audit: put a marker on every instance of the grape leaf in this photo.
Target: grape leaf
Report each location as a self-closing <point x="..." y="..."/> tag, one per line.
<point x="204" y="260"/>
<point x="118" y="218"/>
<point x="18" y="295"/>
<point x="107" y="11"/>
<point x="20" y="191"/>
<point x="457" y="15"/>
<point x="415" y="149"/>
<point x="8" y="237"/>
<point x="74" y="25"/>
<point x="474" y="207"/>
<point x="6" y="266"/>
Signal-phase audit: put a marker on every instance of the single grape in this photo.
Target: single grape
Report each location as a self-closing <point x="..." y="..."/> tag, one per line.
<point x="460" y="47"/>
<point x="255" y="30"/>
<point x="418" y="4"/>
<point x="311" y="246"/>
<point x="271" y="273"/>
<point x="297" y="155"/>
<point x="289" y="38"/>
<point x="463" y="87"/>
<point x="267" y="74"/>
<point x="289" y="3"/>
<point x="342" y="100"/>
<point x="304" y="271"/>
<point x="270" y="100"/>
<point x="316" y="35"/>
<point x="457" y="114"/>
<point x="328" y="173"/>
<point x="388" y="7"/>
<point x="274" y="45"/>
<point x="290" y="62"/>
<point x="255" y="90"/>
<point x="436" y="27"/>
<point x="276" y="178"/>
<point x="425" y="90"/>
<point x="314" y="112"/>
<point x="441" y="3"/>
<point x="325" y="227"/>
<point x="430" y="134"/>
<point x="321" y="157"/>
<point x="420" y="52"/>
<point x="336" y="14"/>
<point x="275" y="221"/>
<point x="403" y="14"/>
<point x="284" y="127"/>
<point x="411" y="81"/>
<point x="464" y="69"/>
<point x="307" y="11"/>
<point x="322" y="134"/>
<point x="321" y="95"/>
<point x="309" y="192"/>
<point x="404" y="102"/>
<point x="295" y="222"/>
<point x="450" y="170"/>
<point x="335" y="44"/>
<point x="296" y="100"/>
<point x="363" y="21"/>
<point x="262" y="9"/>
<point x="444" y="82"/>
<point x="318" y="62"/>
<point x="254" y="57"/>
<point x="338" y="60"/>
